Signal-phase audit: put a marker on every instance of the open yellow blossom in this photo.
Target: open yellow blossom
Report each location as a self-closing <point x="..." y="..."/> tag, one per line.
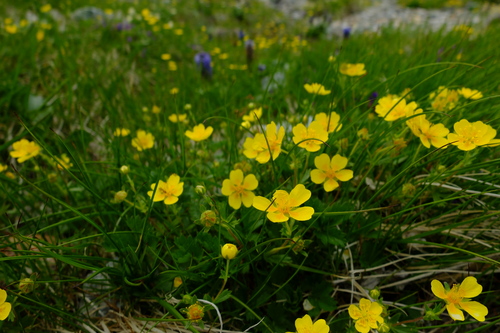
<point x="457" y="298"/>
<point x="178" y="118"/>
<point x="415" y="122"/>
<point x="328" y="171"/>
<point x="174" y="91"/>
<point x="330" y="123"/>
<point x="285" y="206"/>
<point x="166" y="56"/>
<point x="46" y="8"/>
<point x="172" y="66"/>
<point x="63" y="162"/>
<point x="23" y="150"/>
<point x="316" y="88"/>
<point x="305" y="325"/>
<point x="468" y="136"/>
<point x="470" y="94"/>
<point x="251" y="117"/>
<point x="366" y="316"/>
<point x="444" y="99"/>
<point x="352" y="69"/>
<point x="310" y="138"/>
<point x="239" y="189"/>
<point x="263" y="147"/>
<point x="434" y="135"/>
<point x="156" y="109"/>
<point x="121" y="132"/>
<point x="391" y="108"/>
<point x="199" y="132"/>
<point x="143" y="140"/>
<point x="168" y="191"/>
<point x="5" y="307"/>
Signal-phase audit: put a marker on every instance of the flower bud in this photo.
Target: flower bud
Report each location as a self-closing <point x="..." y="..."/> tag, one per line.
<point x="26" y="285"/>
<point x="384" y="328"/>
<point x="187" y="107"/>
<point x="208" y="218"/>
<point x="120" y="196"/>
<point x="124" y="169"/>
<point x="187" y="299"/>
<point x="229" y="251"/>
<point x="409" y="190"/>
<point x="200" y="190"/>
<point x="374" y="293"/>
<point x="177" y="281"/>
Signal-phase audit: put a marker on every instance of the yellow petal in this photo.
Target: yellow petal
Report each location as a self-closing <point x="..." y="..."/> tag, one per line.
<point x="455" y="313"/>
<point x="261" y="203"/>
<point x="5" y="309"/>
<point x="276" y="216"/>
<point x="322" y="162"/>
<point x="235" y="200"/>
<point x="344" y="175"/>
<point x="438" y="289"/>
<point x="247" y="198"/>
<point x="320" y="326"/>
<point x="318" y="176"/>
<point x="376" y="309"/>
<point x="365" y="304"/>
<point x="354" y="312"/>
<point x="170" y="200"/>
<point x="475" y="309"/>
<point x="338" y="162"/>
<point x="226" y="187"/>
<point x="250" y="183"/>
<point x="3" y="296"/>
<point x="302" y="213"/>
<point x="299" y="195"/>
<point x="362" y="327"/>
<point x="303" y="324"/>
<point x="469" y="288"/>
<point x="330" y="185"/>
<point x="236" y="177"/>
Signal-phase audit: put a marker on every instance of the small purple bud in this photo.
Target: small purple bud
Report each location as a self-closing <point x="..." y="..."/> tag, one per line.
<point x="372" y="99"/>
<point x="241" y="34"/>
<point x="203" y="60"/>
<point x="346" y="32"/>
<point x="261" y="67"/>
<point x="123" y="26"/>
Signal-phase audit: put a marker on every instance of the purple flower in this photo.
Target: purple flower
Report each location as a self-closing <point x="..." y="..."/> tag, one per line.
<point x="203" y="60"/>
<point x="241" y="34"/>
<point x="372" y="99"/>
<point x="261" y="67"/>
<point x="346" y="32"/>
<point x="123" y="26"/>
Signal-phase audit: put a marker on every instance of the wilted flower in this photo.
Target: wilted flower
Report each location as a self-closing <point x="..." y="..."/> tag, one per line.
<point x="195" y="311"/>
<point x="329" y="172"/>
<point x="239" y="189"/>
<point x="305" y="325"/>
<point x="23" y="150"/>
<point x="168" y="191"/>
<point x="177" y="282"/>
<point x="366" y="316"/>
<point x="285" y="206"/>
<point x="199" y="132"/>
<point x="457" y="298"/>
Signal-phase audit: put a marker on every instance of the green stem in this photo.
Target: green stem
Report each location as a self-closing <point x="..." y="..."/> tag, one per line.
<point x="226" y="276"/>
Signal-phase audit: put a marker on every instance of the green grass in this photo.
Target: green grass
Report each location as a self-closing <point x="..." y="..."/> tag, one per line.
<point x="409" y="215"/>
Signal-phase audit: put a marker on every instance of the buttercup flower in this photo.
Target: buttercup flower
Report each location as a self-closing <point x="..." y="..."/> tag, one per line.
<point x="178" y="118"/>
<point x="23" y="150"/>
<point x="352" y="69"/>
<point x="143" y="140"/>
<point x="433" y="134"/>
<point x="330" y="123"/>
<point x="392" y="108"/>
<point x="229" y="251"/>
<point x="285" y="206"/>
<point x="305" y="325"/>
<point x="470" y="94"/>
<point x="166" y="56"/>
<point x="366" y="316"/>
<point x="310" y="138"/>
<point x="457" y="298"/>
<point x="444" y="99"/>
<point x="63" y="162"/>
<point x="263" y="147"/>
<point x="316" y="88"/>
<point x="239" y="189"/>
<point x="199" y="132"/>
<point x="328" y="171"/>
<point x="168" y="191"/>
<point x="121" y="132"/>
<point x="468" y="136"/>
<point x="252" y="116"/>
<point x="5" y="307"/>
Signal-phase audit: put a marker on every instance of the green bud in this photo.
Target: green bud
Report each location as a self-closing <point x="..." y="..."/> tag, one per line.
<point x="124" y="169"/>
<point x="374" y="293"/>
<point x="208" y="218"/>
<point x="200" y="190"/>
<point x="26" y="285"/>
<point x="409" y="190"/>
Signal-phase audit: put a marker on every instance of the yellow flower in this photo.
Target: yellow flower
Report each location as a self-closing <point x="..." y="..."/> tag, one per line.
<point x="305" y="325"/>
<point x="330" y="123"/>
<point x="414" y="122"/>
<point x="444" y="99"/>
<point x="155" y="109"/>
<point x="3" y="167"/>
<point x="63" y="162"/>
<point x="121" y="132"/>
<point x="310" y="138"/>
<point x="178" y="32"/>
<point x="199" y="132"/>
<point x="239" y="189"/>
<point x="366" y="315"/>
<point x="174" y="91"/>
<point x="40" y="35"/>
<point x="45" y="8"/>
<point x="172" y="66"/>
<point x="392" y="108"/>
<point x="23" y="150"/>
<point x="177" y="282"/>
<point x="352" y="69"/>
<point x="316" y="88"/>
<point x="168" y="191"/>
<point x="263" y="147"/>
<point x="457" y="298"/>
<point x="433" y="134"/>
<point x="143" y="140"/>
<point x="166" y="56"/>
<point x="285" y="206"/>
<point x="11" y="29"/>
<point x="470" y="94"/>
<point x="329" y="171"/>
<point x="468" y="136"/>
<point x="5" y="307"/>
<point x="177" y="118"/>
<point x="252" y="116"/>
<point x="229" y="251"/>
<point x="195" y="311"/>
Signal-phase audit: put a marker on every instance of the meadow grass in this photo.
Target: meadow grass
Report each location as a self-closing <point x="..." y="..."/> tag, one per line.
<point x="84" y="248"/>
